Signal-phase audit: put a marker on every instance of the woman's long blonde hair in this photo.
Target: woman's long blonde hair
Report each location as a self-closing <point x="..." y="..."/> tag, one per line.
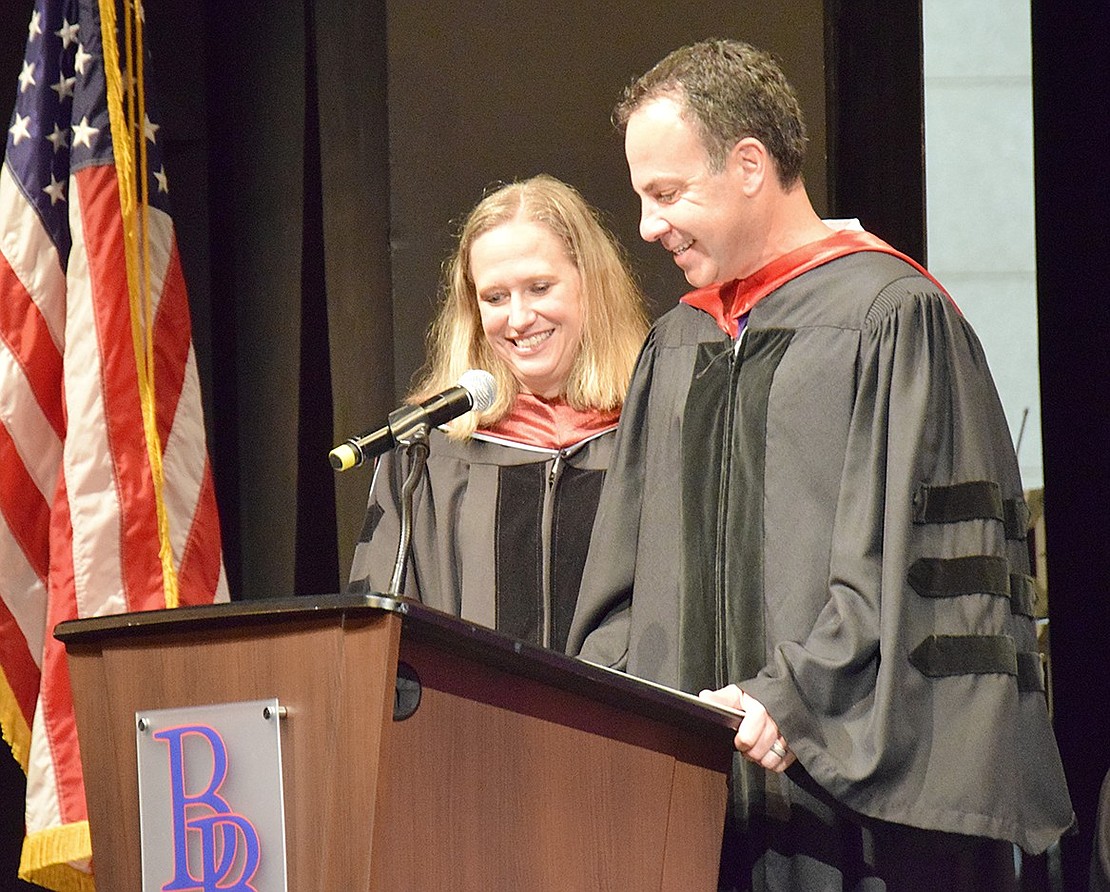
<point x="614" y="319"/>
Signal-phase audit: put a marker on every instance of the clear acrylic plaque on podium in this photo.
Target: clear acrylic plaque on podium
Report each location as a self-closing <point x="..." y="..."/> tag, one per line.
<point x="211" y="809"/>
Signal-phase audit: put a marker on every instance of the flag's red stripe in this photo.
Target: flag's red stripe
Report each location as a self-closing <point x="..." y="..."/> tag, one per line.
<point x="172" y="339"/>
<point x="56" y="696"/>
<point x="23" y="506"/>
<point x="199" y="568"/>
<point x="200" y="563"/>
<point x="102" y="225"/>
<point x="19" y="665"/>
<point x="27" y="336"/>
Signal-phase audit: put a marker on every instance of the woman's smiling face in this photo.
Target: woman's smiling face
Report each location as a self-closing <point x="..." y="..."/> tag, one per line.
<point x="530" y="300"/>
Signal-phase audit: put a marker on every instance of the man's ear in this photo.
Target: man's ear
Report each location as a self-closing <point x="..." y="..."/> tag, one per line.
<point x="751" y="162"/>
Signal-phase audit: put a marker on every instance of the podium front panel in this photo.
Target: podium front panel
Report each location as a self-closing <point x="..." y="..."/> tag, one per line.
<point x="518" y="768"/>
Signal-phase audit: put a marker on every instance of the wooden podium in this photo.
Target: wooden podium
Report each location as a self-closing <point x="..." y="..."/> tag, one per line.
<point x="520" y="769"/>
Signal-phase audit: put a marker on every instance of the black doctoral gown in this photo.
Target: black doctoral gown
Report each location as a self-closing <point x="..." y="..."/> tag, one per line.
<point x="500" y="530"/>
<point x="831" y="516"/>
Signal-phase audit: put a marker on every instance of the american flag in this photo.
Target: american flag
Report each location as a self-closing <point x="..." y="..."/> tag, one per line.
<point x="106" y="496"/>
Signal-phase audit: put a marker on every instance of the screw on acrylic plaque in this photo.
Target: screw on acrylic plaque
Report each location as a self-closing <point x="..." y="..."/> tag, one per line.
<point x="268" y="712"/>
<point x="144" y="725"/>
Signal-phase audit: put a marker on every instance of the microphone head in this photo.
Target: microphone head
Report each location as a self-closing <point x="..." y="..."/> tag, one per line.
<point x="345" y="456"/>
<point x="481" y="386"/>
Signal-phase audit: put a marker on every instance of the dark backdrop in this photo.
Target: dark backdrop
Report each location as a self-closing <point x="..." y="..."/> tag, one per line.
<point x="320" y="152"/>
<point x="1071" y="133"/>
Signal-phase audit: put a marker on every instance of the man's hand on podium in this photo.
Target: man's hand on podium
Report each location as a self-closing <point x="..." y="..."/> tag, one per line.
<point x="758" y="737"/>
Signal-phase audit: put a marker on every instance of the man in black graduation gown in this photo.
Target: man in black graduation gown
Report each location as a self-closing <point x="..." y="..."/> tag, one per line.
<point x="814" y="514"/>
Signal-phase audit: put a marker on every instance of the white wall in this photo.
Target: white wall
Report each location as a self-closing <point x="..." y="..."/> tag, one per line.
<point x="979" y="192"/>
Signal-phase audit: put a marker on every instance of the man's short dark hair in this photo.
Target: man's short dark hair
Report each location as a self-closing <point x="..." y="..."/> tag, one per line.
<point x="728" y="90"/>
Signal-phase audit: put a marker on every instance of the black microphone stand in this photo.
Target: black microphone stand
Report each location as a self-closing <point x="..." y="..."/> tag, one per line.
<point x="415" y="442"/>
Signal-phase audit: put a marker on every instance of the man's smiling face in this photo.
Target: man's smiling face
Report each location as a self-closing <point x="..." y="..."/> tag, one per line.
<point x="699" y="215"/>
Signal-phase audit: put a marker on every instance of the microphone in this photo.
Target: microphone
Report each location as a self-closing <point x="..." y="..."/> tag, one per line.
<point x="476" y="390"/>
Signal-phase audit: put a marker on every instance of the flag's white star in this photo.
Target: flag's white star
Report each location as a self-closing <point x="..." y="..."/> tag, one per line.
<point x="163" y="180"/>
<point x="58" y="138"/>
<point x="83" y="133"/>
<point x="150" y="129"/>
<point x="27" y="77"/>
<point x="68" y="33"/>
<point x="64" y="87"/>
<point x="19" y="130"/>
<point x="35" y="28"/>
<point x="56" y="190"/>
<point x="81" y="60"/>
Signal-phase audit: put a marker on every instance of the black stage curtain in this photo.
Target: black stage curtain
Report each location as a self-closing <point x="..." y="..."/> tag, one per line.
<point x="1071" y="131"/>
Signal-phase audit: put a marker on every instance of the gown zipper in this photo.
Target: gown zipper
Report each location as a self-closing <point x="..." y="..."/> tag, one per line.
<point x="547" y="532"/>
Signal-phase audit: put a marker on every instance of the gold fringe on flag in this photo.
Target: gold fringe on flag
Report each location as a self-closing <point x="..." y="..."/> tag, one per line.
<point x="127" y="117"/>
<point x="13" y="726"/>
<point x="45" y="854"/>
